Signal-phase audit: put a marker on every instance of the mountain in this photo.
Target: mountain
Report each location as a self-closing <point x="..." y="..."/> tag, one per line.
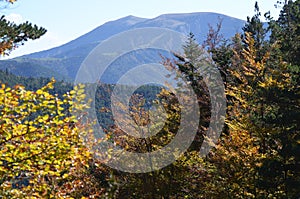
<point x="64" y="61"/>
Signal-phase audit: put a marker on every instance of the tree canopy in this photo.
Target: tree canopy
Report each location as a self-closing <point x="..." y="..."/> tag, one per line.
<point x="13" y="35"/>
<point x="44" y="153"/>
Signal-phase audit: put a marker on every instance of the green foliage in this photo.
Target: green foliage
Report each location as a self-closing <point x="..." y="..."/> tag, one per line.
<point x="30" y="83"/>
<point x="258" y="32"/>
<point x="285" y="31"/>
<point x="13" y="35"/>
<point x="188" y="67"/>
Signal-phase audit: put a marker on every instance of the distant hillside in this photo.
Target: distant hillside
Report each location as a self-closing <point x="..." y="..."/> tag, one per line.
<point x="63" y="62"/>
<point x="30" y="83"/>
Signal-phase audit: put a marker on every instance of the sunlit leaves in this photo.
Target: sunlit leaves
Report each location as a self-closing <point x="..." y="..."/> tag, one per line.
<point x="39" y="140"/>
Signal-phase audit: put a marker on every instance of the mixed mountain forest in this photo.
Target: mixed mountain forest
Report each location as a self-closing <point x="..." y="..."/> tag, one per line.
<point x="44" y="154"/>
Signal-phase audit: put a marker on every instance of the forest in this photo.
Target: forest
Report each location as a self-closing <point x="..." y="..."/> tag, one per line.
<point x="45" y="138"/>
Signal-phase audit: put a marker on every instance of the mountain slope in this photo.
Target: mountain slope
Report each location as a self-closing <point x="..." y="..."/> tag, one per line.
<point x="64" y="61"/>
<point x="91" y="38"/>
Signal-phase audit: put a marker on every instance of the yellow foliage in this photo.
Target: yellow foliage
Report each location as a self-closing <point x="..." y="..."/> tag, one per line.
<point x="4" y="46"/>
<point x="39" y="141"/>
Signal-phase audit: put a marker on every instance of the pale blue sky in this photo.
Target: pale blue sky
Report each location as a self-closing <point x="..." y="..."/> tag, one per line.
<point x="66" y="20"/>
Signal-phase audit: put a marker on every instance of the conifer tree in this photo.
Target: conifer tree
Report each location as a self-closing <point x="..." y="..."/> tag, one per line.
<point x="13" y="35"/>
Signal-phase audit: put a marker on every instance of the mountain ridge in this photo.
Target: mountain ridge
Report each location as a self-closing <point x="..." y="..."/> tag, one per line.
<point x="66" y="59"/>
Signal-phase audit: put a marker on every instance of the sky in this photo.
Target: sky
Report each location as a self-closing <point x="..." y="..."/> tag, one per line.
<point x="66" y="20"/>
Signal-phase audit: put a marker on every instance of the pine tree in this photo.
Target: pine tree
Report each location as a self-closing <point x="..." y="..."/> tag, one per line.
<point x="286" y="30"/>
<point x="256" y="27"/>
<point x="13" y="35"/>
<point x="189" y="66"/>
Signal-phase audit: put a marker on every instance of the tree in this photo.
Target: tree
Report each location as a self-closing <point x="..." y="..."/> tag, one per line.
<point x="188" y="66"/>
<point x="285" y="160"/>
<point x="39" y="140"/>
<point x="261" y="146"/>
<point x="42" y="152"/>
<point x="285" y="31"/>
<point x="258" y="32"/>
<point x="13" y="35"/>
<point x="151" y="184"/>
<point x="182" y="175"/>
<point x="257" y="157"/>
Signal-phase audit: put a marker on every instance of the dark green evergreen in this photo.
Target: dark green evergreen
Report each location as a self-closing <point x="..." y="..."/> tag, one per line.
<point x="13" y="35"/>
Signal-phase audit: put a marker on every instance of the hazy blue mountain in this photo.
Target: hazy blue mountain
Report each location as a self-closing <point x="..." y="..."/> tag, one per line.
<point x="63" y="61"/>
<point x="87" y="42"/>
